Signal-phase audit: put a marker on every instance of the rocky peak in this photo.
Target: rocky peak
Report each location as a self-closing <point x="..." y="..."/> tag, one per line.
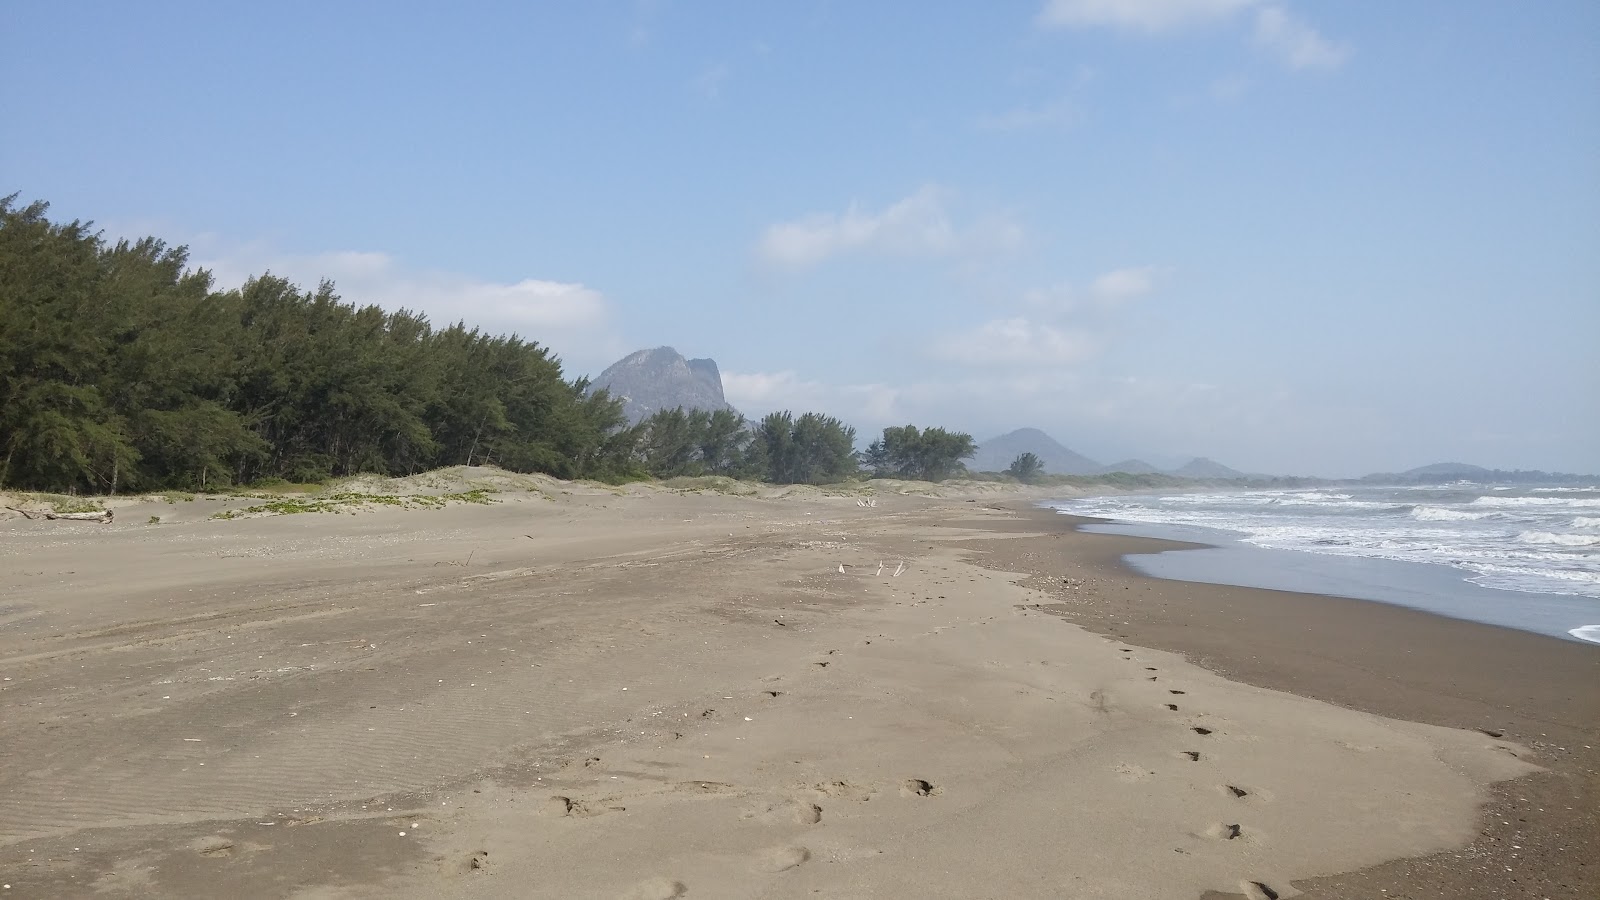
<point x="648" y="381"/>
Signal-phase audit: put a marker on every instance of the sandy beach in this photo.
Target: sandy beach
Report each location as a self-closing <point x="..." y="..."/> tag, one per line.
<point x="574" y="691"/>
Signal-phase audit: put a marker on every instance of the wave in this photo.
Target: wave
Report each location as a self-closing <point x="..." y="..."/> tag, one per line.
<point x="1439" y="514"/>
<point x="1537" y="573"/>
<point x="1548" y="544"/>
<point x="1565" y="490"/>
<point x="1545" y="502"/>
<point x="1560" y="540"/>
<point x="1589" y="633"/>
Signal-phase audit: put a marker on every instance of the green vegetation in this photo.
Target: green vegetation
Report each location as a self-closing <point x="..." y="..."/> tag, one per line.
<point x="931" y="455"/>
<point x="677" y="442"/>
<point x="1026" y="468"/>
<point x="123" y="370"/>
<point x="813" y="449"/>
<point x="350" y="501"/>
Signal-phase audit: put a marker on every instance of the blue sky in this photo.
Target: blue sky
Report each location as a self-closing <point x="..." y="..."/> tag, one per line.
<point x="1292" y="236"/>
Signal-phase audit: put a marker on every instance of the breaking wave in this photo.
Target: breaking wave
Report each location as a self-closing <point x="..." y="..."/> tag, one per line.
<point x="1559" y="540"/>
<point x="1440" y="514"/>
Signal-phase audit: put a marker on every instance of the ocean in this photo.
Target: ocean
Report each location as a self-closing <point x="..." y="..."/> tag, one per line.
<point x="1518" y="556"/>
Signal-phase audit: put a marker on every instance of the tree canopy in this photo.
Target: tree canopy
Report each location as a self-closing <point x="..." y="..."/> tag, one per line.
<point x="1026" y="468"/>
<point x="931" y="455"/>
<point x="122" y="369"/>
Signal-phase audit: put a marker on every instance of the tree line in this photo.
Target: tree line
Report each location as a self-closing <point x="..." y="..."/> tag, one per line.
<point x="123" y="369"/>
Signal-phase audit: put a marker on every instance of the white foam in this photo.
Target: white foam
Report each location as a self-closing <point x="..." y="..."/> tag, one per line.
<point x="1440" y="514"/>
<point x="1559" y="540"/>
<point x="1590" y="633"/>
<point x="1558" y="502"/>
<point x="1551" y="548"/>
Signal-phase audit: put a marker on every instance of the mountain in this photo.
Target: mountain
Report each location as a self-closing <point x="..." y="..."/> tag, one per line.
<point x="996" y="453"/>
<point x="1446" y="470"/>
<point x="1131" y="467"/>
<point x="652" y="380"/>
<point x="1200" y="467"/>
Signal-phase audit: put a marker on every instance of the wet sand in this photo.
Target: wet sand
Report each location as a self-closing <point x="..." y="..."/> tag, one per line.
<point x="1536" y="838"/>
<point x="585" y="692"/>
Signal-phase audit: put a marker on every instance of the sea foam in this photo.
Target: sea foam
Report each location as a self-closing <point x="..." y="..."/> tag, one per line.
<point x="1555" y="502"/>
<point x="1440" y="514"/>
<point x="1590" y="633"/>
<point x="1559" y="540"/>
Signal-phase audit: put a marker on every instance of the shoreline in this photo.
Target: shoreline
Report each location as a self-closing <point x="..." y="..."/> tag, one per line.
<point x="1433" y="587"/>
<point x="1381" y="658"/>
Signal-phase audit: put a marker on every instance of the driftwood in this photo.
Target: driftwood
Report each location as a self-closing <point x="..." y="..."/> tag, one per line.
<point x="102" y="516"/>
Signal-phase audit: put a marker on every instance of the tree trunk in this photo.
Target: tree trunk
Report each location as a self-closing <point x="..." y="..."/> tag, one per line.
<point x="103" y="516"/>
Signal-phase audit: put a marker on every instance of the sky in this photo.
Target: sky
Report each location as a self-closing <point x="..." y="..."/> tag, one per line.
<point x="1296" y="237"/>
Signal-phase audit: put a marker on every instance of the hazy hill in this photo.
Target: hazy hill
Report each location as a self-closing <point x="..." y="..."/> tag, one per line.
<point x="1446" y="470"/>
<point x="996" y="453"/>
<point x="652" y="380"/>
<point x="1132" y="467"/>
<point x="1200" y="467"/>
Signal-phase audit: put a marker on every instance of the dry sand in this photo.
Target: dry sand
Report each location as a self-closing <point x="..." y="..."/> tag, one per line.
<point x="578" y="692"/>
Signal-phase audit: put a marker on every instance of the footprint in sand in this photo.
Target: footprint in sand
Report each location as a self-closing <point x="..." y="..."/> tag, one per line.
<point x="845" y="790"/>
<point x="1130" y="773"/>
<point x="474" y="862"/>
<point x="566" y="806"/>
<point x="916" y="787"/>
<point x="215" y="846"/>
<point x="1225" y="832"/>
<point x="657" y="889"/>
<point x="798" y="812"/>
<point x="781" y="859"/>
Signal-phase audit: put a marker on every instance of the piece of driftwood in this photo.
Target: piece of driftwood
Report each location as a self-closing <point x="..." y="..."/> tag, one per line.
<point x="102" y="516"/>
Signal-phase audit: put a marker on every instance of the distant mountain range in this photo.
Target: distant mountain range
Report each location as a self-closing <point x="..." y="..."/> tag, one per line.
<point x="649" y="381"/>
<point x="1446" y="472"/>
<point x="995" y="454"/>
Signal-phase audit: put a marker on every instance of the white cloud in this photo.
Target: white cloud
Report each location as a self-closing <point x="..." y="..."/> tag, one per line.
<point x="1297" y="44"/>
<point x="572" y="319"/>
<point x="1106" y="293"/>
<point x="1064" y="326"/>
<point x="1138" y="15"/>
<point x="1121" y="285"/>
<point x="1018" y="343"/>
<point x="758" y="393"/>
<point x="1277" y="31"/>
<point x="919" y="225"/>
<point x="768" y="390"/>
